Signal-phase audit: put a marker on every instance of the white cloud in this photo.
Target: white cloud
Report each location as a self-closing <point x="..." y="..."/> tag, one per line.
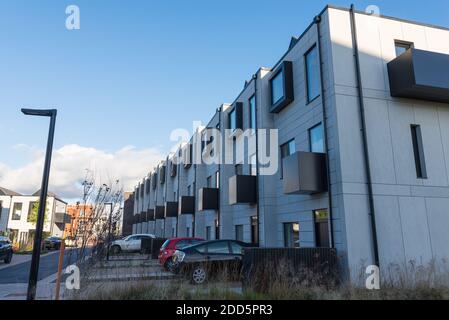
<point x="69" y="165"/>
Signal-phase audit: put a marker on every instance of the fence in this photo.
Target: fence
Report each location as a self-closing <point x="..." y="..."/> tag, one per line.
<point x="262" y="267"/>
<point x="152" y="246"/>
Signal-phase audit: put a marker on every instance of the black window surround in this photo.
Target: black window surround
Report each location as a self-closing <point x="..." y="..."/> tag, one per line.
<point x="188" y="156"/>
<point x="286" y="68"/>
<point x="252" y="105"/>
<point x="418" y="151"/>
<point x="162" y="174"/>
<point x="173" y="169"/>
<point x="147" y="186"/>
<point x="154" y="181"/>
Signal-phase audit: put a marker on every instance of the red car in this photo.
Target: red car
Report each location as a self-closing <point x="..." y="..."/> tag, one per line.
<point x="170" y="246"/>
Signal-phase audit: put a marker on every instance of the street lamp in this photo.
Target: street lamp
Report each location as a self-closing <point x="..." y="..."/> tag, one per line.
<point x="34" y="270"/>
<point x="109" y="229"/>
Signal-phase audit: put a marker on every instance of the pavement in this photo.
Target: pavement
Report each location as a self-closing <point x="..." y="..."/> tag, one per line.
<point x="14" y="277"/>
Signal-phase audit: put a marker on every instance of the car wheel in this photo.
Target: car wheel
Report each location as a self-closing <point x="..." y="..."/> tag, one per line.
<point x="116" y="250"/>
<point x="199" y="275"/>
<point x="8" y="258"/>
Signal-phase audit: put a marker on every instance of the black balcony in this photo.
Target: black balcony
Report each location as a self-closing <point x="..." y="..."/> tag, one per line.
<point x="150" y="215"/>
<point x="186" y="205"/>
<point x="61" y="217"/>
<point x="208" y="199"/>
<point x="171" y="209"/>
<point x="159" y="212"/>
<point x="419" y="74"/>
<point x="305" y="173"/>
<point x="242" y="189"/>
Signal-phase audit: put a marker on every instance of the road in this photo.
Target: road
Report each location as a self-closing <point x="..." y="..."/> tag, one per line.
<point x="48" y="265"/>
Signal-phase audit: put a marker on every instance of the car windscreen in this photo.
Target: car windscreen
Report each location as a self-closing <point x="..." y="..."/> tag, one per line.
<point x="165" y="244"/>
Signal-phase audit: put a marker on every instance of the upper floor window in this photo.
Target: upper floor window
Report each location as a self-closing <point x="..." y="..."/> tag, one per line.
<point x="402" y="46"/>
<point x="209" y="182"/>
<point x="287" y="149"/>
<point x="418" y="150"/>
<point x="277" y="87"/>
<point x="253" y="164"/>
<point x="189" y="190"/>
<point x="312" y="74"/>
<point x="239" y="169"/>
<point x="217" y="179"/>
<point x="316" y="138"/>
<point x="252" y="112"/>
<point x="17" y="211"/>
<point x="32" y="210"/>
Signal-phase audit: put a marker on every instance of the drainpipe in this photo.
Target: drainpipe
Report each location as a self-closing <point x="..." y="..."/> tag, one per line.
<point x="166" y="190"/>
<point x="256" y="125"/>
<point x="155" y="199"/>
<point x="195" y="141"/>
<point x="217" y="229"/>
<point x="177" y="193"/>
<point x="326" y="136"/>
<point x="364" y="135"/>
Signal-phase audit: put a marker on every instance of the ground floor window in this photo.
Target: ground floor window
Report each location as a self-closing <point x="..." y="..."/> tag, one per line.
<point x="239" y="232"/>
<point x="208" y="233"/>
<point x="217" y="229"/>
<point x="173" y="232"/>
<point x="188" y="232"/>
<point x="255" y="230"/>
<point x="291" y="235"/>
<point x="321" y="228"/>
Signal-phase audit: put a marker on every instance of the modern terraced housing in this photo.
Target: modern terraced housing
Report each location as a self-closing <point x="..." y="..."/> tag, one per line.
<point x="360" y="103"/>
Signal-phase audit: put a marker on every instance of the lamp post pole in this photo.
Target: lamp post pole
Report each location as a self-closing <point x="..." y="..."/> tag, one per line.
<point x="109" y="230"/>
<point x="34" y="270"/>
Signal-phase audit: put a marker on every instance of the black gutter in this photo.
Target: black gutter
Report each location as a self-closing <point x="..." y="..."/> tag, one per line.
<point x="195" y="141"/>
<point x="256" y="125"/>
<point x="166" y="190"/>
<point x="179" y="174"/>
<point x="326" y="136"/>
<point x="364" y="135"/>
<point x="217" y="229"/>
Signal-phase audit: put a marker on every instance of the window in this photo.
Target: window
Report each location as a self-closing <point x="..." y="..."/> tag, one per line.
<point x="1" y="209"/>
<point x="188" y="232"/>
<point x="287" y="149"/>
<point x="321" y="218"/>
<point x="277" y="87"/>
<point x="236" y="248"/>
<point x="239" y="169"/>
<point x="17" y="211"/>
<point x="181" y="244"/>
<point x="254" y="230"/>
<point x="233" y="119"/>
<point x="316" y="139"/>
<point x="253" y="164"/>
<point x="201" y="249"/>
<point x="402" y="46"/>
<point x="291" y="235"/>
<point x="312" y="74"/>
<point x="418" y="151"/>
<point x="33" y="206"/>
<point x="217" y="230"/>
<point x="208" y="233"/>
<point x="209" y="182"/>
<point x="252" y="112"/>
<point x="189" y="190"/>
<point x="221" y="247"/>
<point x="239" y="233"/>
<point x="217" y="179"/>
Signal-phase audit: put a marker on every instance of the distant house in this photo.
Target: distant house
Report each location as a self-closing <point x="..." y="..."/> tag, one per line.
<point x="18" y="215"/>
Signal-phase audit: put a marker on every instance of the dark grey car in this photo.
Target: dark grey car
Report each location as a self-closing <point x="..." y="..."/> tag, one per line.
<point x="6" y="251"/>
<point x="208" y="259"/>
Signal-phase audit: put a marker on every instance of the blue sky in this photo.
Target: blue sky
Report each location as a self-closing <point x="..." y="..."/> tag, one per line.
<point x="139" y="69"/>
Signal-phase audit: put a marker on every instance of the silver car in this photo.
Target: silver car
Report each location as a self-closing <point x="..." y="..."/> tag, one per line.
<point x="131" y="243"/>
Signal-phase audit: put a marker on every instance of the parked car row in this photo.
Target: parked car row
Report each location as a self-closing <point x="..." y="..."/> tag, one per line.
<point x="6" y="251"/>
<point x="201" y="260"/>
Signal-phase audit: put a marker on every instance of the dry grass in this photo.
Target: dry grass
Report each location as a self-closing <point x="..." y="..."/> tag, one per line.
<point x="410" y="283"/>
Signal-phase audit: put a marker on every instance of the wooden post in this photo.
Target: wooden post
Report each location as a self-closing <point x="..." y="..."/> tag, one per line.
<point x="60" y="266"/>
